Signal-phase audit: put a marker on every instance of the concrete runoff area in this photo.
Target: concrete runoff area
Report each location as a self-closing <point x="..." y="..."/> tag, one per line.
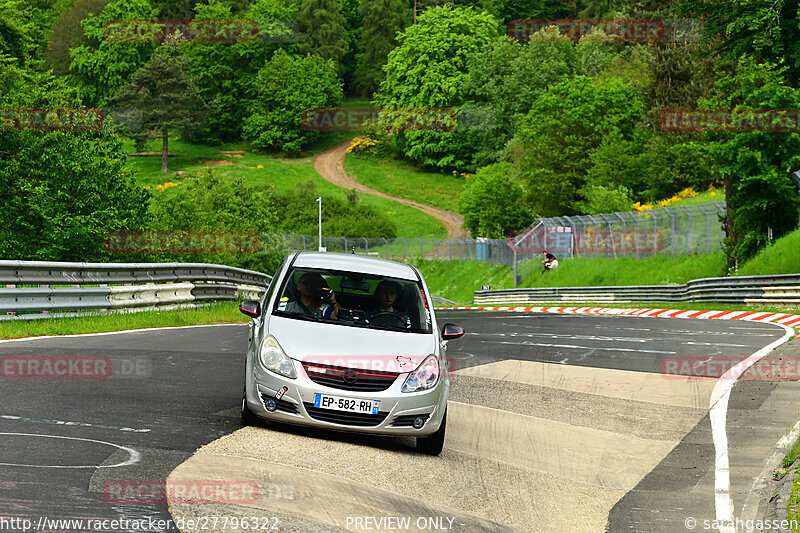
<point x="501" y="470"/>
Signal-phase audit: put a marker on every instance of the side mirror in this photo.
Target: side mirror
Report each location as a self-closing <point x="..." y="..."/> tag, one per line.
<point x="451" y="331"/>
<point x="251" y="308"/>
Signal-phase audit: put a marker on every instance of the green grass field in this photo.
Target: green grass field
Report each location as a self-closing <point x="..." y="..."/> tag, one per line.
<point x="276" y="172"/>
<point x="656" y="270"/>
<point x="781" y="257"/>
<point x="456" y="280"/>
<point x="223" y="313"/>
<point x="702" y="198"/>
<point x="403" y="180"/>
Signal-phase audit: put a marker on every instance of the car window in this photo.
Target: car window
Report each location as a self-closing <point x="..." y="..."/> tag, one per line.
<point x="360" y="300"/>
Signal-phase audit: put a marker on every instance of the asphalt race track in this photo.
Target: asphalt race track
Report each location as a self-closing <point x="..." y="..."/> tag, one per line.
<point x="556" y="423"/>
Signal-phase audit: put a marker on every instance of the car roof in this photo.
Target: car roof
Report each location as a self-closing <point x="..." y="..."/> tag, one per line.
<point x="355" y="263"/>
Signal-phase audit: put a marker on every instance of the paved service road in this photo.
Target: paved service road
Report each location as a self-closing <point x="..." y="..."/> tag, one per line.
<point x="555" y="423"/>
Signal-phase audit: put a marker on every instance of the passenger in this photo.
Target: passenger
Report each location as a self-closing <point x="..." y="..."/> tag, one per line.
<point x="308" y="300"/>
<point x="386" y="294"/>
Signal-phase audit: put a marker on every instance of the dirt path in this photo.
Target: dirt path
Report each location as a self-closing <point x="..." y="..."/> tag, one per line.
<point x="330" y="165"/>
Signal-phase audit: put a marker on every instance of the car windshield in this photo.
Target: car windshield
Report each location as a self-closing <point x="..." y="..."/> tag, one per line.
<point x="354" y="299"/>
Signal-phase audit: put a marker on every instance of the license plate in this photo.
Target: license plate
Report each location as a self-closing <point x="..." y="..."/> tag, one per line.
<point x="350" y="405"/>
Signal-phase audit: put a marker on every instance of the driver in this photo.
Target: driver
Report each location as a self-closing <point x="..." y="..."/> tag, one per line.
<point x="386" y="294"/>
<point x="309" y="303"/>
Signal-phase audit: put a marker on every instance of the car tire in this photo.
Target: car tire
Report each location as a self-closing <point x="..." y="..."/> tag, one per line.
<point x="248" y="418"/>
<point x="433" y="444"/>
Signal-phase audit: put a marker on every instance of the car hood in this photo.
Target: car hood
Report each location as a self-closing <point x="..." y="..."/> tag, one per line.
<point x="351" y="347"/>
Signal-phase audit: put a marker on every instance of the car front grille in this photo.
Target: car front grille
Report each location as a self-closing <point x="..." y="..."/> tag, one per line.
<point x="408" y="420"/>
<point x="351" y="379"/>
<point x="282" y="405"/>
<point x="344" y="418"/>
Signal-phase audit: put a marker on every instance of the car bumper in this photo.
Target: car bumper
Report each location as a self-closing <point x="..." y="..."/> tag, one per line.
<point x="396" y="413"/>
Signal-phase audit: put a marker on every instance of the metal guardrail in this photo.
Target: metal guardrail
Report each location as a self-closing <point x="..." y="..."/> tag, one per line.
<point x="43" y="287"/>
<point x="781" y="289"/>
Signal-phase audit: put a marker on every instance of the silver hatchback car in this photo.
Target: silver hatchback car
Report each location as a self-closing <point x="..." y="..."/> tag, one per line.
<point x="351" y="343"/>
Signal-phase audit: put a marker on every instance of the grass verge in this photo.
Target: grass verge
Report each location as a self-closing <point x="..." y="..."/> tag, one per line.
<point x="457" y="280"/>
<point x="793" y="505"/>
<point x="655" y="270"/>
<point x="780" y="257"/>
<point x="271" y="172"/>
<point x="402" y="179"/>
<point x="223" y="313"/>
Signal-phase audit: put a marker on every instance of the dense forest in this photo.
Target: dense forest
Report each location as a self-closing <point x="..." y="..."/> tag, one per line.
<point x="545" y="125"/>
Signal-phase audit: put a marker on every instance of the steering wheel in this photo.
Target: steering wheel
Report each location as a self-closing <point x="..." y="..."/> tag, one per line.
<point x="387" y="318"/>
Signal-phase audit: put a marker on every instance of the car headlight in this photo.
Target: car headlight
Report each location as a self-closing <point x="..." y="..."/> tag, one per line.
<point x="273" y="358"/>
<point x="424" y="377"/>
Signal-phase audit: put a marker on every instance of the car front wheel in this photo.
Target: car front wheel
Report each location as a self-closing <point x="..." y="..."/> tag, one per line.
<point x="433" y="444"/>
<point x="248" y="418"/>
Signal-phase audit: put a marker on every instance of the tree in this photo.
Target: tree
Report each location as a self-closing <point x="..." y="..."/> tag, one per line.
<point x="62" y="192"/>
<point x="226" y="73"/>
<point x="429" y="70"/>
<point x="287" y="86"/>
<point x="346" y="217"/>
<point x="209" y="203"/>
<point x="383" y="20"/>
<point x="507" y="77"/>
<point x="354" y="24"/>
<point x="767" y="30"/>
<point x="165" y="93"/>
<point x="16" y="46"/>
<point x="101" y="66"/>
<point x="15" y="32"/>
<point x="322" y="29"/>
<point x="562" y="140"/>
<point x="68" y="34"/>
<point x="493" y="203"/>
<point x="755" y="165"/>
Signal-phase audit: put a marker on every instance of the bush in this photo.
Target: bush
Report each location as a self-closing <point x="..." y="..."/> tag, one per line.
<point x="493" y="203"/>
<point x="62" y="192"/>
<point x="287" y="86"/>
<point x="209" y="203"/>
<point x="340" y="218"/>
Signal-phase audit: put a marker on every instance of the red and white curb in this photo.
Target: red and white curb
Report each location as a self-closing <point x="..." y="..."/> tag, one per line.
<point x="752" y="316"/>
